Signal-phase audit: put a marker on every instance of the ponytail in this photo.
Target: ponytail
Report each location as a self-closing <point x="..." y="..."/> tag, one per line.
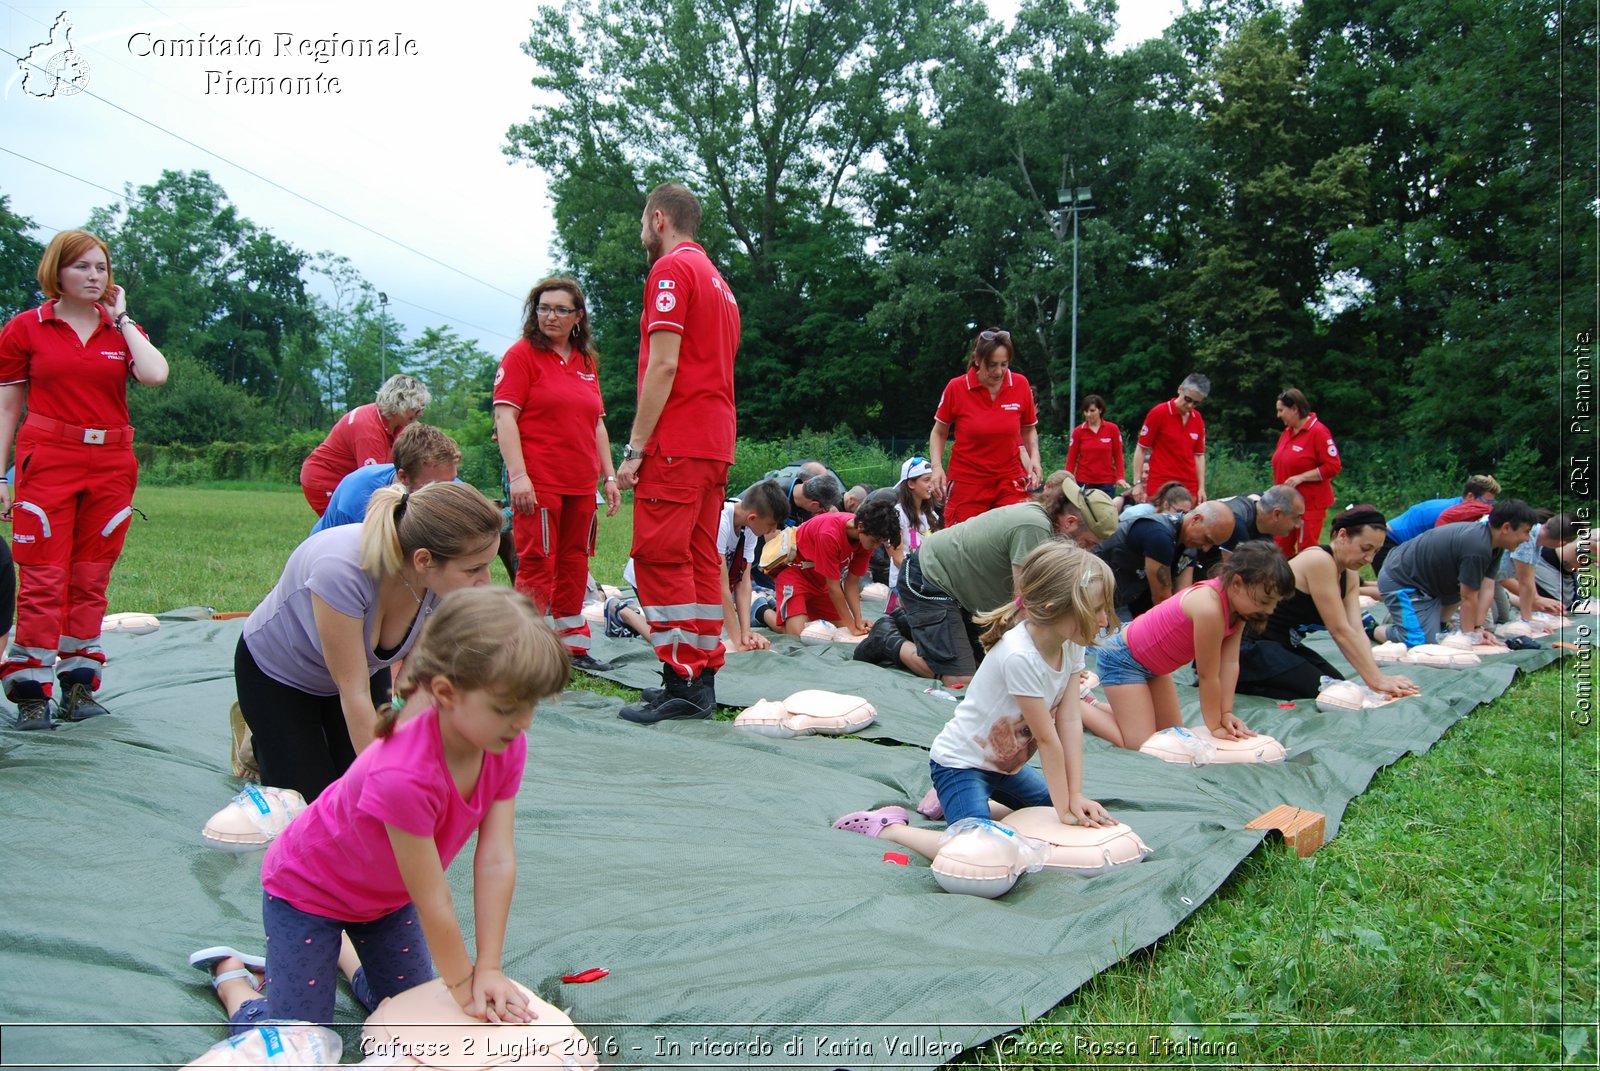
<point x="450" y="520"/>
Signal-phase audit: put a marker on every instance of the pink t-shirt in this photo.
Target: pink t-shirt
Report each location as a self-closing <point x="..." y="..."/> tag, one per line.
<point x="1162" y="638"/>
<point x="335" y="859"/>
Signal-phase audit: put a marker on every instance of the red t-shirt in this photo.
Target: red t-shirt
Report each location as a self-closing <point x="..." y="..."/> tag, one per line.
<point x="558" y="404"/>
<point x="686" y="295"/>
<point x="823" y="542"/>
<point x="1470" y="510"/>
<point x="1172" y="446"/>
<point x="988" y="431"/>
<point x="80" y="383"/>
<point x="360" y="438"/>
<point x="1095" y="456"/>
<point x="1311" y="447"/>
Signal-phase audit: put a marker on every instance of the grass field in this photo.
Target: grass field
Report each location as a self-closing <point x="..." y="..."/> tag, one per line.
<point x="1452" y="922"/>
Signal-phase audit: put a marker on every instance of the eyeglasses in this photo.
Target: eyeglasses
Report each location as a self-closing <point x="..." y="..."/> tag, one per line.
<point x="996" y="336"/>
<point x="1191" y="399"/>
<point x="554" y="310"/>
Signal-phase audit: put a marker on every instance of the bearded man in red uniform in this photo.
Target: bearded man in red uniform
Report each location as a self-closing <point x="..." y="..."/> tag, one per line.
<point x="678" y="454"/>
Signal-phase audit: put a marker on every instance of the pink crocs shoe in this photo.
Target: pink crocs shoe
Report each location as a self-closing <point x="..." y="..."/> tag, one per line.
<point x="930" y="807"/>
<point x="873" y="823"/>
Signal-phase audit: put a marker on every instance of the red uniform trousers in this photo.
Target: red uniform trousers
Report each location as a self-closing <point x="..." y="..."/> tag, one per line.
<point x="68" y="522"/>
<point x="676" y="507"/>
<point x="554" y="545"/>
<point x="968" y="498"/>
<point x="1309" y="535"/>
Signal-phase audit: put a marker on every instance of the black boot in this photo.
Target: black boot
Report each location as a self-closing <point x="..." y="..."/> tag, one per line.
<point x="78" y="703"/>
<point x="653" y="696"/>
<point x="880" y="646"/>
<point x="679" y="699"/>
<point x="35" y="713"/>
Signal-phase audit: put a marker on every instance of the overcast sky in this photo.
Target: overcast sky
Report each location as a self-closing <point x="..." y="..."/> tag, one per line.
<point x="407" y="151"/>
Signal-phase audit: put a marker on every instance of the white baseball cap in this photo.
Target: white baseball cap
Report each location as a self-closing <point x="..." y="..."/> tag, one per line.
<point x="914" y="467"/>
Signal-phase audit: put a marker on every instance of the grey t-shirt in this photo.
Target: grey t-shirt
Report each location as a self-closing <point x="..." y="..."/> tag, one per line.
<point x="1439" y="560"/>
<point x="971" y="561"/>
<point x="282" y="632"/>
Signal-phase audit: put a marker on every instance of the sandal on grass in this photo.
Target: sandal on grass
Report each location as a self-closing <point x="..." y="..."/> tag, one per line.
<point x="873" y="823"/>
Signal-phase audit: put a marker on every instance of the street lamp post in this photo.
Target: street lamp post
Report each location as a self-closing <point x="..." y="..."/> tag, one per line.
<point x="1075" y="200"/>
<point x="383" y="333"/>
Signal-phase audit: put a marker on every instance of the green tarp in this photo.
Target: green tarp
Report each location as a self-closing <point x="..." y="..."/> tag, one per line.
<point x="693" y="860"/>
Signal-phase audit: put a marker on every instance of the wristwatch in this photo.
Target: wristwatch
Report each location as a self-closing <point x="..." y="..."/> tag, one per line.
<point x="629" y="453"/>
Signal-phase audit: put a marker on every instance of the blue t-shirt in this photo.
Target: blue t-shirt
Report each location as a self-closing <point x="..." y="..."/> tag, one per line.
<point x="349" y="502"/>
<point x="1419" y="518"/>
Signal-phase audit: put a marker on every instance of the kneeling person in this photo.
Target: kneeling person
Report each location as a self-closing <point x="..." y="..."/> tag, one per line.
<point x="1277" y="664"/>
<point x="824" y="580"/>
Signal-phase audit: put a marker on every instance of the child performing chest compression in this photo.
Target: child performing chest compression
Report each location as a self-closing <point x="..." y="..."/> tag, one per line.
<point x="823" y="582"/>
<point x="1023" y="698"/>
<point x="356" y="883"/>
<point x="1203" y="624"/>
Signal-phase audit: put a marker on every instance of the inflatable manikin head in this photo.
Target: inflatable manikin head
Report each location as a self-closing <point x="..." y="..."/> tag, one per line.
<point x="425" y="1028"/>
<point x="876" y="591"/>
<point x="978" y="857"/>
<point x="1528" y="630"/>
<point x="810" y="712"/>
<point x="252" y="818"/>
<point x="1080" y="849"/>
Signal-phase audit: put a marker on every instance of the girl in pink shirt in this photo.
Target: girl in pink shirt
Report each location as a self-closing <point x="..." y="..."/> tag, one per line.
<point x="356" y="883"/>
<point x="1202" y="624"/>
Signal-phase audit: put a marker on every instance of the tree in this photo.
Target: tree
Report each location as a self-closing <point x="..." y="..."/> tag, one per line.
<point x="1285" y="191"/>
<point x="19" y="260"/>
<point x="212" y="284"/>
<point x="772" y="113"/>
<point x="1482" y="139"/>
<point x="459" y="375"/>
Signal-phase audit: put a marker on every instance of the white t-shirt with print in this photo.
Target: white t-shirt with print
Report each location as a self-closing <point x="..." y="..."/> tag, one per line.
<point x="988" y="731"/>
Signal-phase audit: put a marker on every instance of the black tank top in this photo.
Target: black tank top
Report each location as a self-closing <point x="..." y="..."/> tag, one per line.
<point x="1298" y="610"/>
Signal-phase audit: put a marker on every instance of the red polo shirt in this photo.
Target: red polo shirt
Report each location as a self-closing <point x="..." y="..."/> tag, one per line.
<point x="685" y="294"/>
<point x="988" y="431"/>
<point x="360" y="438"/>
<point x="1172" y="446"/>
<point x="82" y="383"/>
<point x="558" y="404"/>
<point x="1096" y="456"/>
<point x="1311" y="447"/>
<point x="824" y="542"/>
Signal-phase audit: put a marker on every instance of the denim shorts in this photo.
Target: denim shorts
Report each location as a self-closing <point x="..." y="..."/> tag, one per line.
<point x="1116" y="664"/>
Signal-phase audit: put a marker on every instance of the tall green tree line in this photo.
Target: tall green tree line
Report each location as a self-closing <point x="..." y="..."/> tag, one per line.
<point x="1376" y="202"/>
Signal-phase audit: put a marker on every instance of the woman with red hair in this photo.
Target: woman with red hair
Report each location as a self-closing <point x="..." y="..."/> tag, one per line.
<point x="68" y="363"/>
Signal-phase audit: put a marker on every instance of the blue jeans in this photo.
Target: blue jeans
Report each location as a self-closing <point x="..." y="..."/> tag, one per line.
<point x="303" y="962"/>
<point x="965" y="793"/>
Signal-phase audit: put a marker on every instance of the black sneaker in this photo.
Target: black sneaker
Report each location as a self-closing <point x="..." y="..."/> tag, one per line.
<point x="679" y="699"/>
<point x="35" y="714"/>
<point x="881" y="645"/>
<point x="590" y="664"/>
<point x="80" y="704"/>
